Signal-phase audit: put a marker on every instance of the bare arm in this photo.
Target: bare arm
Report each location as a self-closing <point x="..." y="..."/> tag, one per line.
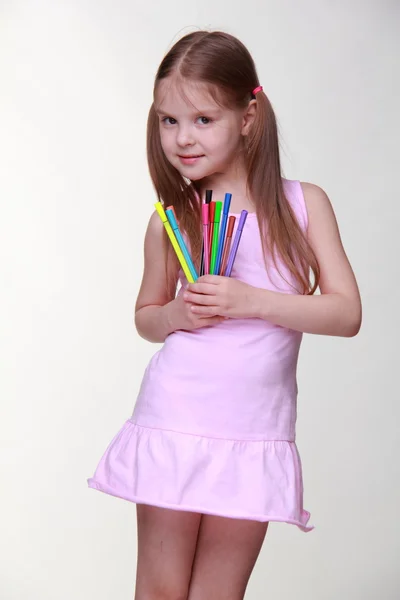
<point x="156" y="292"/>
<point x="337" y="311"/>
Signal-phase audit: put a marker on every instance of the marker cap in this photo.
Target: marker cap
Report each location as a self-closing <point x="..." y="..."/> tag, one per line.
<point x="227" y="203"/>
<point x="231" y="225"/>
<point x="205" y="214"/>
<point x="212" y="212"/>
<point x="242" y="220"/>
<point x="171" y="215"/>
<point x="218" y="210"/>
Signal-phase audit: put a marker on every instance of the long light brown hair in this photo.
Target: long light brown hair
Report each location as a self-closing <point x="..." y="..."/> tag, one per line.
<point x="224" y="64"/>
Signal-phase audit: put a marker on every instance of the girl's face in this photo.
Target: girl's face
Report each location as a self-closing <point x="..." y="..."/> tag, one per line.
<point x="199" y="137"/>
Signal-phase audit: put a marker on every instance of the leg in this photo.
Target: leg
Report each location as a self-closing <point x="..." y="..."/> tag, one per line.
<point x="166" y="547"/>
<point x="227" y="550"/>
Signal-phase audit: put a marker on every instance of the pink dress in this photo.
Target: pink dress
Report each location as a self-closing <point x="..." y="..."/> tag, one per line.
<point x="213" y="428"/>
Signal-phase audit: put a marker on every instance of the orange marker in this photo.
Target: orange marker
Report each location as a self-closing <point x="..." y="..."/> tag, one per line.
<point x="228" y="242"/>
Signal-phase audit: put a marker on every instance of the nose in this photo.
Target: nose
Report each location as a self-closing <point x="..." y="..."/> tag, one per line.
<point x="185" y="136"/>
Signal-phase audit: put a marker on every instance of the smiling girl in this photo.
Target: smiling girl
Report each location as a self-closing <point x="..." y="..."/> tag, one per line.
<point x="209" y="454"/>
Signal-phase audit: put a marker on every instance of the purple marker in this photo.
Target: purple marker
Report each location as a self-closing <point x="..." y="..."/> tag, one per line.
<point x="235" y="245"/>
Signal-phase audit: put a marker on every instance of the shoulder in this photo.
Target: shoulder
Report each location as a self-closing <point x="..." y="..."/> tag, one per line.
<point x="318" y="205"/>
<point x="154" y="239"/>
<point x="156" y="245"/>
<point x="155" y="225"/>
<point x="314" y="196"/>
<point x="323" y="230"/>
<point x="155" y="232"/>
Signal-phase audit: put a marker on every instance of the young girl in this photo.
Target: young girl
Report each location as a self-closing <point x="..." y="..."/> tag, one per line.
<point x="209" y="454"/>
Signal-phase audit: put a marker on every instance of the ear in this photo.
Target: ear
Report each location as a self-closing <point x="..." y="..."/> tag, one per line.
<point x="248" y="117"/>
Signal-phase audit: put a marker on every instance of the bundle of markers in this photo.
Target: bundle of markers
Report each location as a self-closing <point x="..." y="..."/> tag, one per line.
<point x="218" y="251"/>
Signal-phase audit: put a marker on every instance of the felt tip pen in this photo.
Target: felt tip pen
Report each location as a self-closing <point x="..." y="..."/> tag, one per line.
<point x="161" y="213"/>
<point x="222" y="231"/>
<point x="214" y="249"/>
<point x="211" y="225"/>
<point x="205" y="220"/>
<point x="173" y="210"/>
<point x="208" y="200"/>
<point x="228" y="242"/>
<point x="235" y="245"/>
<point x="181" y="242"/>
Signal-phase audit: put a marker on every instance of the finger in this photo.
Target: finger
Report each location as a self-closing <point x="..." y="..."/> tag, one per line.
<point x="207" y="311"/>
<point x="213" y="279"/>
<point x="199" y="299"/>
<point x="209" y="317"/>
<point x="206" y="322"/>
<point x="202" y="288"/>
<point x="212" y="322"/>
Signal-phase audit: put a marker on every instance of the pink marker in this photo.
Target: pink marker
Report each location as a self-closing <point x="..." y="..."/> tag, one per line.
<point x="205" y="221"/>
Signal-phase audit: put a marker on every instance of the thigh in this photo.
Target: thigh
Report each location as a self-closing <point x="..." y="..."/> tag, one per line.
<point x="227" y="550"/>
<point x="166" y="547"/>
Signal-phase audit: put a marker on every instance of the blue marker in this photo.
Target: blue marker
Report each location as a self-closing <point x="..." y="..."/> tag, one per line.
<point x="222" y="231"/>
<point x="171" y="218"/>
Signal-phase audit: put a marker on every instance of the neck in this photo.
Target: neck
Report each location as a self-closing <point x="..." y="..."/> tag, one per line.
<point x="232" y="180"/>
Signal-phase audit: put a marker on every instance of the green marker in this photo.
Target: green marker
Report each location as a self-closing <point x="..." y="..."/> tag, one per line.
<point x="214" y="247"/>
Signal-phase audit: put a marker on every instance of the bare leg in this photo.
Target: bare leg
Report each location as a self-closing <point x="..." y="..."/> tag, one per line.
<point x="227" y="550"/>
<point x="166" y="547"/>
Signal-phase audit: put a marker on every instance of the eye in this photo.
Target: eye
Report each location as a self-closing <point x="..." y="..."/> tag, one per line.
<point x="204" y="120"/>
<point x="165" y="119"/>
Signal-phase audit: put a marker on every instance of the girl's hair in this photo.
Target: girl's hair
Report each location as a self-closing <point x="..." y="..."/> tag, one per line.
<point x="225" y="66"/>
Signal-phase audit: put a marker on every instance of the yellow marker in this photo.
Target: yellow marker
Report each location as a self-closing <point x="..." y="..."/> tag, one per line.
<point x="161" y="212"/>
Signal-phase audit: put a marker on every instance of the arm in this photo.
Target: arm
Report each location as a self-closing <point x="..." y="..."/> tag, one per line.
<point x="156" y="291"/>
<point x="337" y="311"/>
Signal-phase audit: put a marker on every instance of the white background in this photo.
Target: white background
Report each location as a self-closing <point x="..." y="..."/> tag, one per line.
<point x="76" y="83"/>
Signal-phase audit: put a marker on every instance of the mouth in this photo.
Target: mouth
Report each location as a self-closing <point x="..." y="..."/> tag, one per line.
<point x="190" y="155"/>
<point x="190" y="158"/>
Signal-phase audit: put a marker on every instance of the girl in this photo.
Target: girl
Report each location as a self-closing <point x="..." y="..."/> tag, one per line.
<point x="209" y="454"/>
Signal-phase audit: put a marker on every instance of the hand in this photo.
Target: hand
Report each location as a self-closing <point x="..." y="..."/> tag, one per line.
<point x="215" y="295"/>
<point x="181" y="316"/>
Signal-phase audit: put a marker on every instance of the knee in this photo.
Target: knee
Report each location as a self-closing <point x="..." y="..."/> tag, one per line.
<point x="173" y="593"/>
<point x="162" y="592"/>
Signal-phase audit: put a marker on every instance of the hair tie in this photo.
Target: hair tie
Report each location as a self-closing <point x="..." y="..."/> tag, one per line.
<point x="257" y="89"/>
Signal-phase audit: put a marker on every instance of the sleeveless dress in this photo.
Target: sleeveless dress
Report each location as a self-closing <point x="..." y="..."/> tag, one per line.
<point x="213" y="428"/>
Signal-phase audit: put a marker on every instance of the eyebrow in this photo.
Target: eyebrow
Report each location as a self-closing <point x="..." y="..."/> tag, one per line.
<point x="161" y="111"/>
